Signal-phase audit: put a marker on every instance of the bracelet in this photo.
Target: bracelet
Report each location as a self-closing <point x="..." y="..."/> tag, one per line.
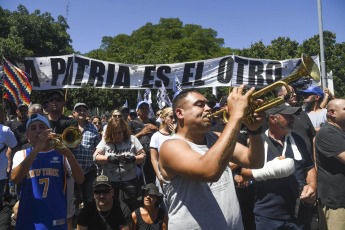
<point x="256" y="132"/>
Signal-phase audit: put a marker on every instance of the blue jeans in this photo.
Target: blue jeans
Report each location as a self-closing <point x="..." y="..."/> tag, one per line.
<point x="264" y="223"/>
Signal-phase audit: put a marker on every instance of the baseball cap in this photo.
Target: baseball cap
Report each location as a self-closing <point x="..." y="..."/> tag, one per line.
<point x="283" y="109"/>
<point x="80" y="104"/>
<point x="313" y="90"/>
<point x="58" y="92"/>
<point x="140" y="103"/>
<point x="101" y="180"/>
<point x="37" y="117"/>
<point x="132" y="111"/>
<point x="22" y="105"/>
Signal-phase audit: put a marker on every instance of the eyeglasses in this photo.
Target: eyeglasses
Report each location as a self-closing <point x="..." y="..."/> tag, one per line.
<point x="57" y="99"/>
<point x="117" y="116"/>
<point x="104" y="192"/>
<point x="96" y="122"/>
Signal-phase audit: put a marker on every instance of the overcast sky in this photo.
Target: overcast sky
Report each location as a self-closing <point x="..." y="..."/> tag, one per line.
<point x="240" y="23"/>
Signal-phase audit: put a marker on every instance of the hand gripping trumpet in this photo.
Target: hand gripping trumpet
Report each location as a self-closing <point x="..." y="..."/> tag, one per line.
<point x="307" y="69"/>
<point x="70" y="138"/>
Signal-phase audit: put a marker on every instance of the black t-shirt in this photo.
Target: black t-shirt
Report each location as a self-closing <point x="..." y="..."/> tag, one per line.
<point x="136" y="126"/>
<point x="330" y="142"/>
<point x="19" y="128"/>
<point x="242" y="136"/>
<point x="94" y="220"/>
<point x="62" y="123"/>
<point x="275" y="198"/>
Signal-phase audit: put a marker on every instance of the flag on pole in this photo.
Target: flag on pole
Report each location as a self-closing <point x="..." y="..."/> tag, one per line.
<point x="126" y="104"/>
<point x="147" y="98"/>
<point x="17" y="87"/>
<point x="139" y="98"/>
<point x="176" y="85"/>
<point x="163" y="98"/>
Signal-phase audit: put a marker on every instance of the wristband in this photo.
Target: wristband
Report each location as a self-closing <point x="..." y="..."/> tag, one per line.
<point x="256" y="132"/>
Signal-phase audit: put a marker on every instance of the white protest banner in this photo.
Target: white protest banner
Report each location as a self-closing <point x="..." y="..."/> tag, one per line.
<point x="71" y="71"/>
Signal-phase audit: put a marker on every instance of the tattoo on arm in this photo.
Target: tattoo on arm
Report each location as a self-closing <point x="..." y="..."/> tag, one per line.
<point x="231" y="143"/>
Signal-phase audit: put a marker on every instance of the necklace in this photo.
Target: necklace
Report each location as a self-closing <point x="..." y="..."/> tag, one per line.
<point x="105" y="215"/>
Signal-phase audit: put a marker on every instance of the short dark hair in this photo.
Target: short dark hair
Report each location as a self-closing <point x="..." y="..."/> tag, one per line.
<point x="178" y="101"/>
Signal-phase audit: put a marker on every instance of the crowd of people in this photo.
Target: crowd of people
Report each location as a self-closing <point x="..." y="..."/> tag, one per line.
<point x="183" y="169"/>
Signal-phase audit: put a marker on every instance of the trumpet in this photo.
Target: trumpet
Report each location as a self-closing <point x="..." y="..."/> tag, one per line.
<point x="70" y="138"/>
<point x="307" y="69"/>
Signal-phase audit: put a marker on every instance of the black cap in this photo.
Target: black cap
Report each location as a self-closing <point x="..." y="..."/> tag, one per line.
<point x="131" y="111"/>
<point x="58" y="92"/>
<point x="22" y="105"/>
<point x="283" y="109"/>
<point x="101" y="180"/>
<point x="152" y="190"/>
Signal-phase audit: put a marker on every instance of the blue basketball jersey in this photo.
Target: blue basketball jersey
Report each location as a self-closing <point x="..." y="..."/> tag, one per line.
<point x="42" y="203"/>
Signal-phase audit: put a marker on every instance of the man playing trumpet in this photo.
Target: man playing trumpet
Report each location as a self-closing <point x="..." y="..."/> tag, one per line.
<point x="42" y="172"/>
<point x="201" y="193"/>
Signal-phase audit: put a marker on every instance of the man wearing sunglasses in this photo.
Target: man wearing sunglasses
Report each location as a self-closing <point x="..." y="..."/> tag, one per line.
<point x="313" y="97"/>
<point x="105" y="212"/>
<point x="58" y="123"/>
<point x="42" y="172"/>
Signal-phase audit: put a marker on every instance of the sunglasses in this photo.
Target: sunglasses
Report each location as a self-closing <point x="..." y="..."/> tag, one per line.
<point x="117" y="116"/>
<point x="23" y="110"/>
<point x="104" y="192"/>
<point x="57" y="99"/>
<point x="97" y="123"/>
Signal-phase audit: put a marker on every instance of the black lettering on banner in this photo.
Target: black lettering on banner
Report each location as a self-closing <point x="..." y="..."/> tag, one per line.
<point x="69" y="72"/>
<point x="123" y="77"/>
<point x="240" y="69"/>
<point x="275" y="66"/>
<point x="187" y="74"/>
<point x="198" y="74"/>
<point x="160" y="74"/>
<point x="97" y="70"/>
<point x="148" y="77"/>
<point x="80" y="69"/>
<point x="225" y="69"/>
<point x="256" y="69"/>
<point x="110" y="76"/>
<point x="55" y="63"/>
<point x="31" y="70"/>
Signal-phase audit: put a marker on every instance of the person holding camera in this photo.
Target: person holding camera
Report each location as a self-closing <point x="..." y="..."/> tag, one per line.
<point x="119" y="152"/>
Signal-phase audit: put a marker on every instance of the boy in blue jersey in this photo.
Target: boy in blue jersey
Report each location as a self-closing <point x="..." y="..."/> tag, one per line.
<point x="42" y="172"/>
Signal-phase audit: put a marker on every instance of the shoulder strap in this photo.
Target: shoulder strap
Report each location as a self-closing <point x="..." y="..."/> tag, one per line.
<point x="3" y="148"/>
<point x="271" y="145"/>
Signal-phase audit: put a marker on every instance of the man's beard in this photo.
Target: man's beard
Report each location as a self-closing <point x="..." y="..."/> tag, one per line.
<point x="307" y="106"/>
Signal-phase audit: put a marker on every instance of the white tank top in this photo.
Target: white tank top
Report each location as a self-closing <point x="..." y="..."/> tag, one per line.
<point x="200" y="205"/>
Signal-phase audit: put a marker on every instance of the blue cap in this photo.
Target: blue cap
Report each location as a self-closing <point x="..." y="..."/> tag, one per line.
<point x="37" y="117"/>
<point x="313" y="90"/>
<point x="140" y="103"/>
<point x="177" y="93"/>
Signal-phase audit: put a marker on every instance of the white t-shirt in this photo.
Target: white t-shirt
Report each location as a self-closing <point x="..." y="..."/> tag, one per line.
<point x="6" y="138"/>
<point x="318" y="119"/>
<point x="119" y="172"/>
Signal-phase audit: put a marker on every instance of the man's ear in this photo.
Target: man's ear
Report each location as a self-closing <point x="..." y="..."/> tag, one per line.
<point x="179" y="113"/>
<point x="318" y="98"/>
<point x="331" y="112"/>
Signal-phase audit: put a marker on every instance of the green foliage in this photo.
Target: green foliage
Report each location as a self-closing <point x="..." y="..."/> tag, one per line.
<point x="167" y="42"/>
<point x="24" y="35"/>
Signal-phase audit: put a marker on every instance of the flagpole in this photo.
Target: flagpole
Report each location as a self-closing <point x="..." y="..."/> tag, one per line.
<point x="2" y="112"/>
<point x="63" y="111"/>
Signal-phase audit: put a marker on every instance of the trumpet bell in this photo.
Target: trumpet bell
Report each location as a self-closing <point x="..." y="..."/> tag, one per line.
<point x="71" y="137"/>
